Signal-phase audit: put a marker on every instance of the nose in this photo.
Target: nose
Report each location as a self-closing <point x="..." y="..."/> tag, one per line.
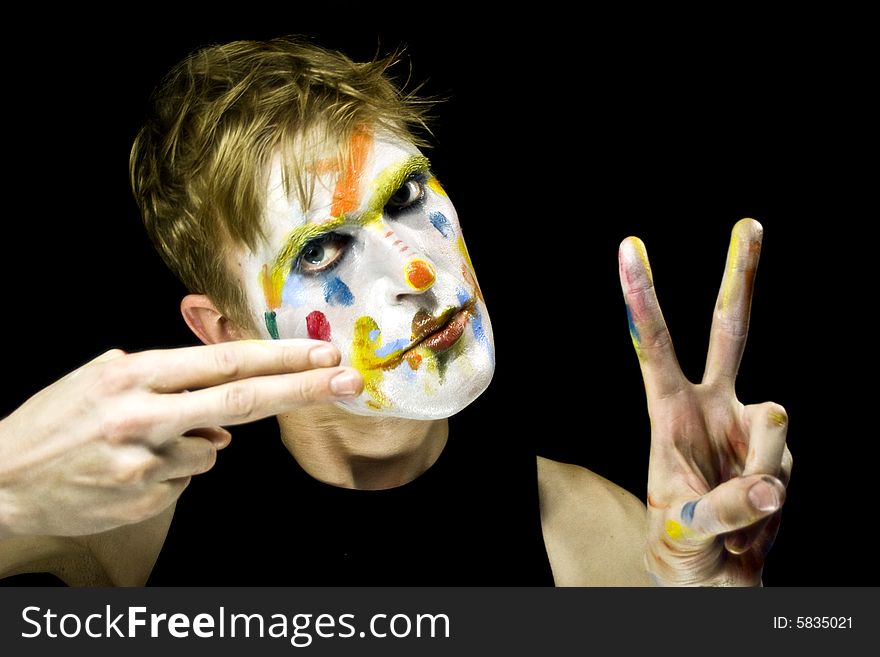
<point x="401" y="268"/>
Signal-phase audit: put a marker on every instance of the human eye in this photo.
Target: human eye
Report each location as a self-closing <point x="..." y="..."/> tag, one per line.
<point x="411" y="192"/>
<point x="322" y="253"/>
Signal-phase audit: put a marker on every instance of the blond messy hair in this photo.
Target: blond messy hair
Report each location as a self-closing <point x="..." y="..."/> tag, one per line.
<point x="199" y="166"/>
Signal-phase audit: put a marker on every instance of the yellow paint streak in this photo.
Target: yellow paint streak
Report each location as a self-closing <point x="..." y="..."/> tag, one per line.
<point x="636" y="345"/>
<point x="370" y="218"/>
<point x="462" y="248"/>
<point x="294" y="243"/>
<point x="676" y="531"/>
<point x="778" y="418"/>
<point x="372" y="367"/>
<point x="434" y="184"/>
<point x="386" y="184"/>
<point x="430" y="365"/>
<point x="639" y="247"/>
<point x="365" y="360"/>
<point x="471" y="280"/>
<point x="384" y="187"/>
<point x="731" y="280"/>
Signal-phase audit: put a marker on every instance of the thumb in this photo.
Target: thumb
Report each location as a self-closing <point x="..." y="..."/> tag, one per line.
<point x="733" y="505"/>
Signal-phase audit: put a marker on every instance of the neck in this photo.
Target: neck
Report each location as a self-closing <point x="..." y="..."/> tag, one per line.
<point x="365" y="452"/>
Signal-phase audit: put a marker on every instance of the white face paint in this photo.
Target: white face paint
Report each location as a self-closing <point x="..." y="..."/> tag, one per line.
<point x="377" y="266"/>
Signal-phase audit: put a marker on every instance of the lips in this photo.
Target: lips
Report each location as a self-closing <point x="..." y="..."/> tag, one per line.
<point x="436" y="333"/>
<point x="441" y="332"/>
<point x="446" y="337"/>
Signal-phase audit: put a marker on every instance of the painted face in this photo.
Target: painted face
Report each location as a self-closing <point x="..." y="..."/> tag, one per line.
<point x="377" y="266"/>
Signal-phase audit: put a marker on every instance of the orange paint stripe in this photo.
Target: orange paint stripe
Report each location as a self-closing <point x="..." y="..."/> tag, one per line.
<point x="271" y="291"/>
<point x="347" y="192"/>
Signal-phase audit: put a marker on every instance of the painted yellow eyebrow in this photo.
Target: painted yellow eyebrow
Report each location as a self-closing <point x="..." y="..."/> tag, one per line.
<point x="386" y="184"/>
<point x="383" y="188"/>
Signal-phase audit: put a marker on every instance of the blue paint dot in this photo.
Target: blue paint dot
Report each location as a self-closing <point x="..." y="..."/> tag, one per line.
<point x="336" y="293"/>
<point x="374" y="335"/>
<point x="633" y="330"/>
<point x="480" y="334"/>
<point x="687" y="512"/>
<point x="293" y="293"/>
<point x="441" y="223"/>
<point x="462" y="294"/>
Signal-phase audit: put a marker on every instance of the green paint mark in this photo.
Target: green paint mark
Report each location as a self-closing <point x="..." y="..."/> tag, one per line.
<point x="271" y="324"/>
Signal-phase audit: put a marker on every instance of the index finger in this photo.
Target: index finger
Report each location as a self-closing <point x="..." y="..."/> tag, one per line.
<point x="730" y="323"/>
<point x="650" y="336"/>
<point x="189" y="368"/>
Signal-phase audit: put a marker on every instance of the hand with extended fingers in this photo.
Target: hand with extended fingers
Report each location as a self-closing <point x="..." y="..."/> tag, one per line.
<point x="116" y="441"/>
<point x="718" y="469"/>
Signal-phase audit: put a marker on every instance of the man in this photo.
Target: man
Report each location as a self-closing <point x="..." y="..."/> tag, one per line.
<point x="283" y="184"/>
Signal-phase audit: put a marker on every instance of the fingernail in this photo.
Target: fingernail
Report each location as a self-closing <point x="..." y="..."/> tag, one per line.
<point x="764" y="496"/>
<point x="753" y="226"/>
<point x="323" y="356"/>
<point x="346" y="384"/>
<point x="639" y="251"/>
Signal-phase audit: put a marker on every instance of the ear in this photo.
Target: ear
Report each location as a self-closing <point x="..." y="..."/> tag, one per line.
<point x="208" y="323"/>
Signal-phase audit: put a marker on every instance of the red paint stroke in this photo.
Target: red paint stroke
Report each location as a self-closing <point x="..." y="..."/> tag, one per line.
<point x="318" y="326"/>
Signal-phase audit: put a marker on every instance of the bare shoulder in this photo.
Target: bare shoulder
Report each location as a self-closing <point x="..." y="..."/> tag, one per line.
<point x="121" y="557"/>
<point x="66" y="558"/>
<point x="127" y="554"/>
<point x="594" y="530"/>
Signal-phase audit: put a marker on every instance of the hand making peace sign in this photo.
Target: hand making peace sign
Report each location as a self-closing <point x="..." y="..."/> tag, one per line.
<point x="718" y="469"/>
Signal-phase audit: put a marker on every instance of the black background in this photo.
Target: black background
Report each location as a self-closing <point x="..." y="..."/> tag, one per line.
<point x="559" y="138"/>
